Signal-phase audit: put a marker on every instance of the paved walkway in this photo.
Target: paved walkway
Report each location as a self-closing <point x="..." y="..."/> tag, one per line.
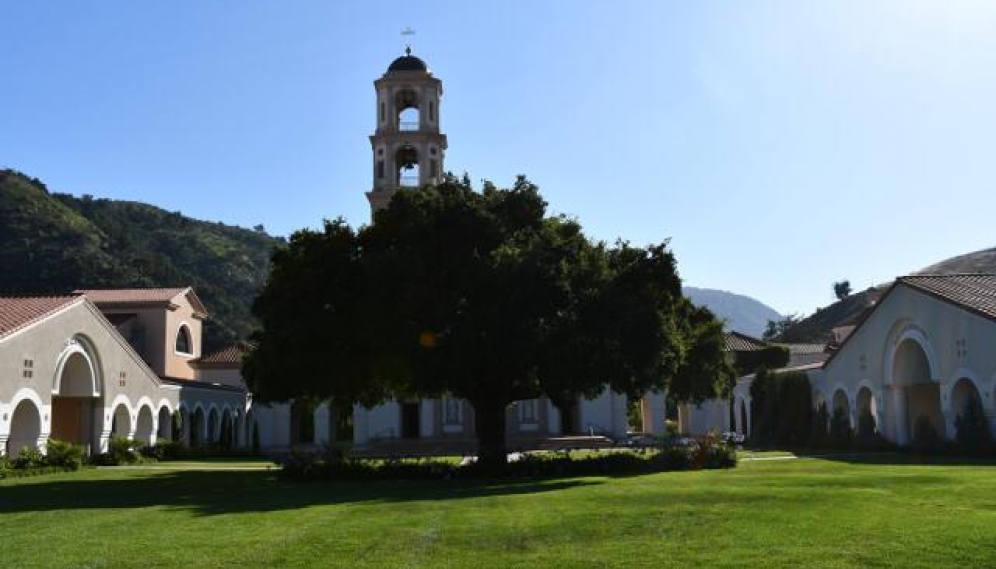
<point x="207" y="467"/>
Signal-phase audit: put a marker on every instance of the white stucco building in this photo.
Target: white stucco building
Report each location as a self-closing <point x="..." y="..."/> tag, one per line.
<point x="925" y="350"/>
<point x="101" y="363"/>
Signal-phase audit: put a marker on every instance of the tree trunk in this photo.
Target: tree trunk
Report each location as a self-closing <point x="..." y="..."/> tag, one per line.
<point x="489" y="421"/>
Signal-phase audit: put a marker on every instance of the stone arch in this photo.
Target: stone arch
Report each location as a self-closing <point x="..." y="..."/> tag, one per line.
<point x="121" y="421"/>
<point x="198" y="423"/>
<point x="916" y="390"/>
<point x="866" y="407"/>
<point x="164" y="426"/>
<point x="212" y="424"/>
<point x="840" y="408"/>
<point x="185" y="418"/>
<point x="302" y="421"/>
<point x="76" y="388"/>
<point x="183" y="341"/>
<point x="964" y="393"/>
<point x="902" y="332"/>
<point x="77" y="373"/>
<point x="25" y="423"/>
<point x="408" y="161"/>
<point x="226" y="428"/>
<point x="145" y="424"/>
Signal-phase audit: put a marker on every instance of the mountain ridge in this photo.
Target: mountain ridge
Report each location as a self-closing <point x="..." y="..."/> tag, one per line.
<point x="741" y="313"/>
<point x="56" y="243"/>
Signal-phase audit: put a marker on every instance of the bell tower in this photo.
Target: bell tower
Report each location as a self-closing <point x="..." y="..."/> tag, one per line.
<point x="408" y="148"/>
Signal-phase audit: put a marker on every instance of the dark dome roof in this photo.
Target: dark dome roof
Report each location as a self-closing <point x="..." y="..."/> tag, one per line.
<point x="407" y="63"/>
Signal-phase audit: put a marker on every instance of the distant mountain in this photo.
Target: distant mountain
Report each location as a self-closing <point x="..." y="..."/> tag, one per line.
<point x="55" y="243"/>
<point x="741" y="313"/>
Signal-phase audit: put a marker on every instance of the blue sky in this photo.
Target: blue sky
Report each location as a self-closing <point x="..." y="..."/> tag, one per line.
<point x="780" y="145"/>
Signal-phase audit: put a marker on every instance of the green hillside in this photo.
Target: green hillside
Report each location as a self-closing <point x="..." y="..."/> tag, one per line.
<point x="54" y="243"/>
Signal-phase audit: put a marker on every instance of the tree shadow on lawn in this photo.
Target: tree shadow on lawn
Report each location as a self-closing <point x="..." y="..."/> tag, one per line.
<point x="898" y="458"/>
<point x="220" y="492"/>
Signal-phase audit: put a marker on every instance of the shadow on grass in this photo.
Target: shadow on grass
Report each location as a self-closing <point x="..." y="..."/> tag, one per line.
<point x="220" y="492"/>
<point x="904" y="457"/>
<point x="890" y="457"/>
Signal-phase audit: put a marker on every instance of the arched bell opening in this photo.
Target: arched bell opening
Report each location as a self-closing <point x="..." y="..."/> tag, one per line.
<point x="406" y="102"/>
<point x="406" y="159"/>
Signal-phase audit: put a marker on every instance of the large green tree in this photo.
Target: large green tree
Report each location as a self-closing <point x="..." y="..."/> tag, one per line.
<point x="480" y="296"/>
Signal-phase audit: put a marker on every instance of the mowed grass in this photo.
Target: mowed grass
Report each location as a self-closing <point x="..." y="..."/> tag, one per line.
<point x="778" y="513"/>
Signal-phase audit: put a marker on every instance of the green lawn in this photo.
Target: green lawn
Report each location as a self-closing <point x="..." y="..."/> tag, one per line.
<point x="778" y="513"/>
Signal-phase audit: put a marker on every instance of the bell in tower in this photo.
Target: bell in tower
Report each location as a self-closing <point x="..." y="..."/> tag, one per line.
<point x="408" y="148"/>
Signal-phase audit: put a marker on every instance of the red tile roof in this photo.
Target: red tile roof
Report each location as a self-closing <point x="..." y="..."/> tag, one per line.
<point x="230" y="356"/>
<point x="134" y="296"/>
<point x="737" y="342"/>
<point x="130" y="295"/>
<point x="16" y="312"/>
<point x="974" y="292"/>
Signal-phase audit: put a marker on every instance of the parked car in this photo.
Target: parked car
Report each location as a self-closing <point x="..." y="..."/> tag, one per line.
<point x="634" y="439"/>
<point x="733" y="438"/>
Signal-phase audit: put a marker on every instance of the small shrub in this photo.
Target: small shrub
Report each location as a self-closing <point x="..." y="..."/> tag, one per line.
<point x="28" y="458"/>
<point x="840" y="428"/>
<point x="63" y="454"/>
<point x="925" y="437"/>
<point x="168" y="450"/>
<point x="119" y="451"/>
<point x="712" y="452"/>
<point x="867" y="427"/>
<point x="972" y="428"/>
<point x="818" y="433"/>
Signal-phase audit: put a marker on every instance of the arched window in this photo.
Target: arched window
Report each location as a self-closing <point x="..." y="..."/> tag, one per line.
<point x="183" y="343"/>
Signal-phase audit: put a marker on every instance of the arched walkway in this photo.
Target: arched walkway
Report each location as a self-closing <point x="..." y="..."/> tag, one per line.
<point x="917" y="396"/>
<point x="121" y="422"/>
<point x="226" y="436"/>
<point x="867" y="408"/>
<point x="212" y="426"/>
<point x="186" y="433"/>
<point x="251" y="434"/>
<point x="25" y="428"/>
<point x="165" y="431"/>
<point x="76" y="407"/>
<point x="197" y="427"/>
<point x="145" y="427"/>
<point x="302" y="422"/>
<point x="841" y="406"/>
<point x="967" y="412"/>
<point x="963" y="394"/>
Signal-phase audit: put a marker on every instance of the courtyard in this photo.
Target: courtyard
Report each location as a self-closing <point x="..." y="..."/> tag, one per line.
<point x="865" y="511"/>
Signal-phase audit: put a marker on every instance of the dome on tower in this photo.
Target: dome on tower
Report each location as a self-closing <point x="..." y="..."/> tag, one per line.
<point x="407" y="62"/>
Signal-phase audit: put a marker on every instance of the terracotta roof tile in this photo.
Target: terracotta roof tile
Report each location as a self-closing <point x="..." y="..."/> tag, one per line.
<point x="975" y="292"/>
<point x="129" y="295"/>
<point x="16" y="312"/>
<point x="737" y="342"/>
<point x="228" y="356"/>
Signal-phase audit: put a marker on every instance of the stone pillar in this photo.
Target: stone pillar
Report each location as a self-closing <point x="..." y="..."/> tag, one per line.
<point x="652" y="407"/>
<point x="899" y="421"/>
<point x="323" y="424"/>
<point x="361" y="431"/>
<point x="427" y="417"/>
<point x="552" y="418"/>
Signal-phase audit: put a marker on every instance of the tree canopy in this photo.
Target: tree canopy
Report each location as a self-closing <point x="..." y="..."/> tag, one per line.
<point x="842" y="289"/>
<point x="479" y="296"/>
